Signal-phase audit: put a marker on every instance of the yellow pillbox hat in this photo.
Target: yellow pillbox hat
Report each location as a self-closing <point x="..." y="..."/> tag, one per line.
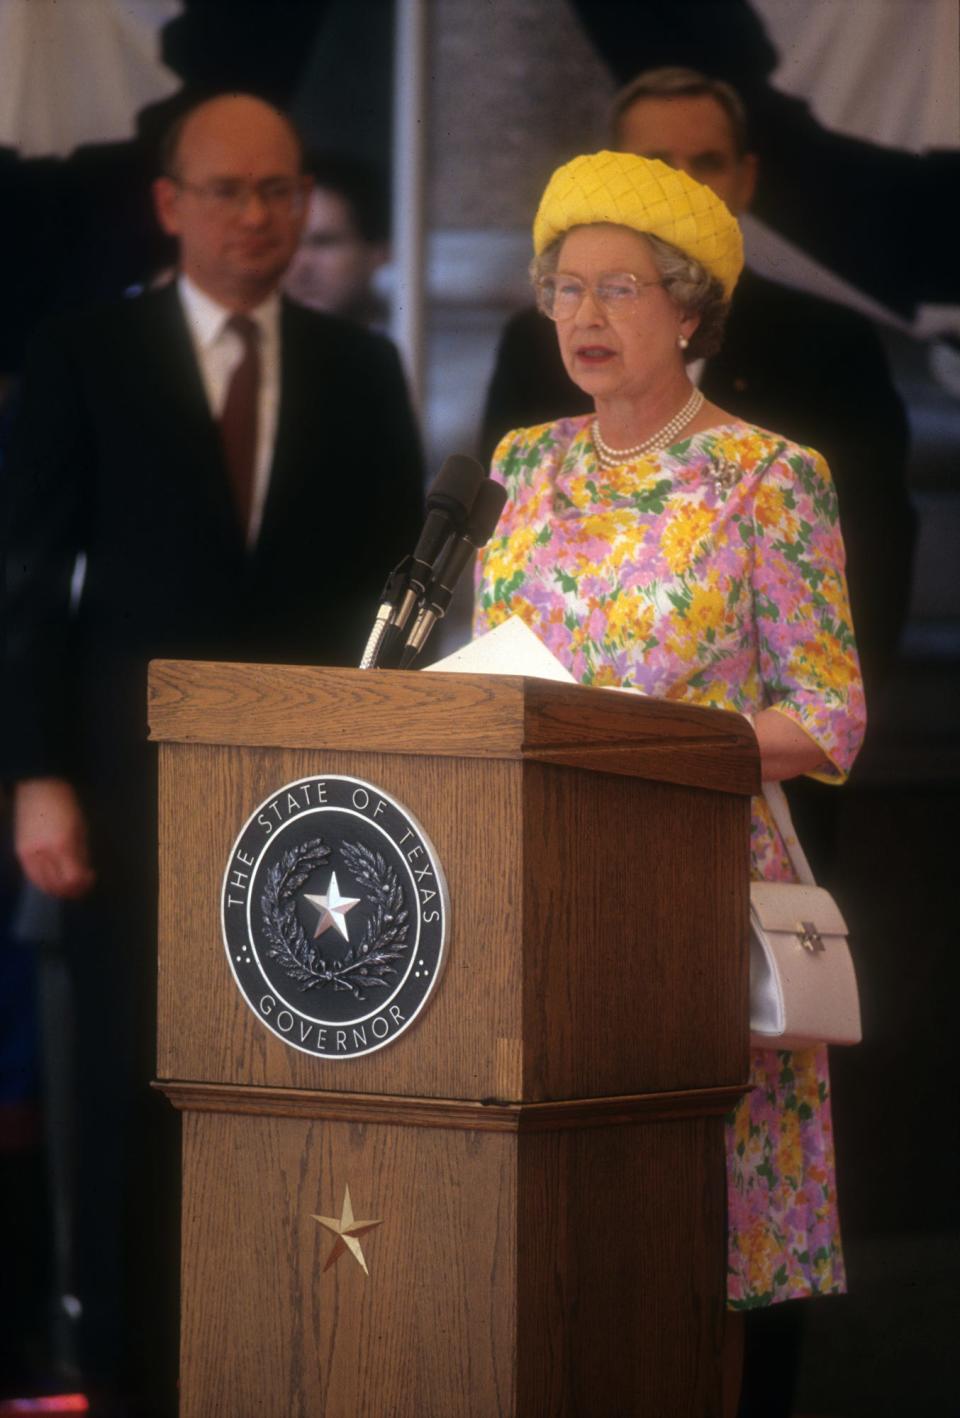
<point x="649" y="196"/>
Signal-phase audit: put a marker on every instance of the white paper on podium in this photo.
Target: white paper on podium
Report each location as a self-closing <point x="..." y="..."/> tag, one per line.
<point x="511" y="649"/>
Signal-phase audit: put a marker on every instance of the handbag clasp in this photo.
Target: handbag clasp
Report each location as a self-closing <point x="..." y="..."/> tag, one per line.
<point x="809" y="937"/>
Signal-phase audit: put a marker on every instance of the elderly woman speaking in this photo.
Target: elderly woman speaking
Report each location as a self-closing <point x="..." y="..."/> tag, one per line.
<point x="666" y="545"/>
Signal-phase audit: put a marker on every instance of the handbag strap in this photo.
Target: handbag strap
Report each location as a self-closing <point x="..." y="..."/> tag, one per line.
<point x="780" y="812"/>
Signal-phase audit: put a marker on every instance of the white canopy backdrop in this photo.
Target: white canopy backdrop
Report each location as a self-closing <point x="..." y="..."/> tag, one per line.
<point x="881" y="70"/>
<point x="79" y="71"/>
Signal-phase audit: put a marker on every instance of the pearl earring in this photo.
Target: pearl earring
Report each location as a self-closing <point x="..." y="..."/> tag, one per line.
<point x="683" y="342"/>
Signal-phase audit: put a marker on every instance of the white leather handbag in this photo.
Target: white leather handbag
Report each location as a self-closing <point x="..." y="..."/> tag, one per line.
<point x="803" y="988"/>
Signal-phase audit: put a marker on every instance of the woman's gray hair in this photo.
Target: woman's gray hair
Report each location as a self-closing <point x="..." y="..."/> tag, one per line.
<point x="687" y="282"/>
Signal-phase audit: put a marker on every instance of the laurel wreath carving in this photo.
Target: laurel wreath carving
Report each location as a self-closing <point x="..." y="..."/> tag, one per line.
<point x="384" y="939"/>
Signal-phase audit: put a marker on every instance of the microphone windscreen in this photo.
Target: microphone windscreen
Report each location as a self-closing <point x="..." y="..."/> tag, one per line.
<point x="485" y="512"/>
<point x="454" y="488"/>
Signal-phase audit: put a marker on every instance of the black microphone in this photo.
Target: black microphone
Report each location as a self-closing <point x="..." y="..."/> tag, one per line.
<point x="449" y="503"/>
<point x="449" y="500"/>
<point x="484" y="516"/>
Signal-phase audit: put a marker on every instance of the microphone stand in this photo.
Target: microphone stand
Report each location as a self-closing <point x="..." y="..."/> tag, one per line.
<point x="390" y="597"/>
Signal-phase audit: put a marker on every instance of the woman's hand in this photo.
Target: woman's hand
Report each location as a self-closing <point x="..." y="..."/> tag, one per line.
<point x="786" y="750"/>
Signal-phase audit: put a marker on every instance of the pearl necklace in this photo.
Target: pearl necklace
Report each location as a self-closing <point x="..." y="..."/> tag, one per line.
<point x="609" y="457"/>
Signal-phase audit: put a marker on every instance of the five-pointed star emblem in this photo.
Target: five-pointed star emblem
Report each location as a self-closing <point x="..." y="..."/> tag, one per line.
<point x="332" y="907"/>
<point x="347" y="1231"/>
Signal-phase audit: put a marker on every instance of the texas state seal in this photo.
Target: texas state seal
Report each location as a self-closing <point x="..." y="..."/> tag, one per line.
<point x="334" y="912"/>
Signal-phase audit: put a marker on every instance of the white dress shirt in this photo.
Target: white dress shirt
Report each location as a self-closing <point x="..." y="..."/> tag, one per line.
<point x="218" y="352"/>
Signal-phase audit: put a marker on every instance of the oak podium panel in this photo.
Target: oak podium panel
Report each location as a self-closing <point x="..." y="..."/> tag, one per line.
<point x="514" y="1145"/>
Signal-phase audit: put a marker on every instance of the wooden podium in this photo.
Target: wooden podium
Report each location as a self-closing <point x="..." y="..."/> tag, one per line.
<point x="543" y="1147"/>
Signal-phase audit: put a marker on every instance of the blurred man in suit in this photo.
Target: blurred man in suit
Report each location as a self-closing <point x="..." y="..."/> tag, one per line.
<point x="811" y="369"/>
<point x="207" y="470"/>
<point x="346" y="239"/>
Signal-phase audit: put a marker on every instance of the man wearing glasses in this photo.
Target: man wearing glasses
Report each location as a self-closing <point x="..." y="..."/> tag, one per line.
<point x="201" y="448"/>
<point x="209" y="471"/>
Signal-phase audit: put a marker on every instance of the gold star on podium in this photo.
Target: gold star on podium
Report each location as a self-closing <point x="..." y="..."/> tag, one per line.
<point x="347" y="1231"/>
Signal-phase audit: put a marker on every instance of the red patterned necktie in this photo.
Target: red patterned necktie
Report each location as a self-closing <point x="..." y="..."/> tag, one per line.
<point x="238" y="422"/>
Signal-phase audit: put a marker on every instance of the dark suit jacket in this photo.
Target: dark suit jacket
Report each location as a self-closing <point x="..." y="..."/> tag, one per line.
<point x="811" y="370"/>
<point x="116" y="455"/>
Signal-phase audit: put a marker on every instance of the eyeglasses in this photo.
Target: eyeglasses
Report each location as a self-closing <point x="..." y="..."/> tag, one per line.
<point x="617" y="292"/>
<point x="230" y="195"/>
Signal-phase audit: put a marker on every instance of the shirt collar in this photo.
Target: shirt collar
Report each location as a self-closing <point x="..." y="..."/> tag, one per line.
<point x="207" y="318"/>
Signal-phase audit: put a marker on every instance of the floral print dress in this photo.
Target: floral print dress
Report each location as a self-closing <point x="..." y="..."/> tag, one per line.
<point x="710" y="572"/>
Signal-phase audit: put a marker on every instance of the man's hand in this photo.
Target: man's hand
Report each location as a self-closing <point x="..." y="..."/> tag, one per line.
<point x="50" y="837"/>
